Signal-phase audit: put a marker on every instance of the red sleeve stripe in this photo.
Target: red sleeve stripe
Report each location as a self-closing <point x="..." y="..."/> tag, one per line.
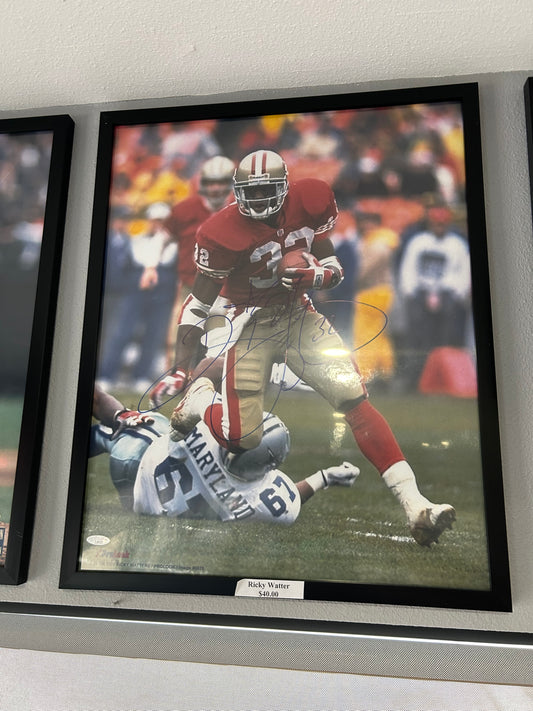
<point x="214" y="273"/>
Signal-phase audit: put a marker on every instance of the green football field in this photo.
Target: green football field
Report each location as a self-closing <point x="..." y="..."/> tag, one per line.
<point x="357" y="535"/>
<point x="10" y="419"/>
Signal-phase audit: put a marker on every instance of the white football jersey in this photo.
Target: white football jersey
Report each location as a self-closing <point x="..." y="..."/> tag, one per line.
<point x="188" y="479"/>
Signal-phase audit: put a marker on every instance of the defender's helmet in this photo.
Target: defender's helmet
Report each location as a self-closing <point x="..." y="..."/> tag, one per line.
<point x="260" y="184"/>
<point x="216" y="178"/>
<point x="269" y="454"/>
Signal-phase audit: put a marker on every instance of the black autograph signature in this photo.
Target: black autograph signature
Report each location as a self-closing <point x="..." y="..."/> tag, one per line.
<point x="293" y="308"/>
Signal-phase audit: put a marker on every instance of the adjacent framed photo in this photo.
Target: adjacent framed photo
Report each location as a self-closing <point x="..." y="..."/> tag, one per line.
<point x="34" y="172"/>
<point x="287" y="384"/>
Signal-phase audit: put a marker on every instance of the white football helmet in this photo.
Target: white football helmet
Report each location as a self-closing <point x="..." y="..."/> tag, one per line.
<point x="260" y="184"/>
<point x="216" y="178"/>
<point x="157" y="211"/>
<point x="269" y="454"/>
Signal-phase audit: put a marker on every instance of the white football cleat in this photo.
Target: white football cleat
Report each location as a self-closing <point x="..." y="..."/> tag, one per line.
<point x="191" y="408"/>
<point x="428" y="524"/>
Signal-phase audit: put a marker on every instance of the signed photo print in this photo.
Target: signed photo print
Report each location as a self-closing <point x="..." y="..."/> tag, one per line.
<point x="287" y="382"/>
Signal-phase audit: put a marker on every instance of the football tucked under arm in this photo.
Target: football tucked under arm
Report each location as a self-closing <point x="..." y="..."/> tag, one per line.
<point x="313" y="273"/>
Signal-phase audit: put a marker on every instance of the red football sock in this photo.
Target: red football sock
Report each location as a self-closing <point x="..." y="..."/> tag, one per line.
<point x="374" y="436"/>
<point x="213" y="419"/>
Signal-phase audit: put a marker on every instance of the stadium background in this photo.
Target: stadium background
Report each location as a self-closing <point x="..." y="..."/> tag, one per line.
<point x="390" y="164"/>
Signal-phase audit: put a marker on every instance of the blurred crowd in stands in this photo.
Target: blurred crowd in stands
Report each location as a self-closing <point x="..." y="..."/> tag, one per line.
<point x="24" y="169"/>
<point x="398" y="175"/>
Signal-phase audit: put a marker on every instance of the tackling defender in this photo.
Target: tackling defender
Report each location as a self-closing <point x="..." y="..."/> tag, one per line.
<point x="159" y="472"/>
<point x="241" y="307"/>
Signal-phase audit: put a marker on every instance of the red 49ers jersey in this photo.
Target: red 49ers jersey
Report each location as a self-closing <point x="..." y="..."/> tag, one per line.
<point x="245" y="252"/>
<point x="182" y="224"/>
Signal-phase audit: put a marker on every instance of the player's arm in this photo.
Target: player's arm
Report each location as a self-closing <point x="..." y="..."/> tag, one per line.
<point x="105" y="406"/>
<point x="324" y="270"/>
<point x="190" y="330"/>
<point x="343" y="475"/>
<point x="192" y="319"/>
<point x="112" y="413"/>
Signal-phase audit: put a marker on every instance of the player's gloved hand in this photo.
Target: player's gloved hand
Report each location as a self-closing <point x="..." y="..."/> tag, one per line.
<point x="127" y="419"/>
<point x="168" y="387"/>
<point x="343" y="475"/>
<point x="318" y="275"/>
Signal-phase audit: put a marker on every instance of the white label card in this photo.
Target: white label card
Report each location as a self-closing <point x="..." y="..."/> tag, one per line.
<point x="254" y="587"/>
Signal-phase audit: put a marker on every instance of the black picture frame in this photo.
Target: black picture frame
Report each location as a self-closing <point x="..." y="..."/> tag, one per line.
<point x="36" y="323"/>
<point x="496" y="594"/>
<point x="528" y="92"/>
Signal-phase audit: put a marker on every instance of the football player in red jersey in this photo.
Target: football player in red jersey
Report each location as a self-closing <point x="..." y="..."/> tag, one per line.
<point x="215" y="183"/>
<point x="239" y="306"/>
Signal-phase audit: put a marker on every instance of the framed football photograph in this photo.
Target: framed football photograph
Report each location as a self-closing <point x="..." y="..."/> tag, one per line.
<point x="34" y="172"/>
<point x="287" y="383"/>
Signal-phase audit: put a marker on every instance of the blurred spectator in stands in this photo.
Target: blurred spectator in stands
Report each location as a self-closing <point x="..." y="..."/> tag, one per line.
<point x="323" y="140"/>
<point x="361" y="175"/>
<point x="186" y="146"/>
<point x="136" y="340"/>
<point x="375" y="297"/>
<point x="120" y="194"/>
<point x="265" y="132"/>
<point x="136" y="164"/>
<point x="338" y="304"/>
<point x="422" y="174"/>
<point x="24" y="166"/>
<point x="347" y="180"/>
<point x="142" y="188"/>
<point x="168" y="185"/>
<point x="120" y="277"/>
<point x="434" y="286"/>
<point x="319" y="151"/>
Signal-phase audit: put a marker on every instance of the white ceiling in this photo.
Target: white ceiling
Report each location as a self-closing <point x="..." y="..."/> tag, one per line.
<point x="63" y="52"/>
